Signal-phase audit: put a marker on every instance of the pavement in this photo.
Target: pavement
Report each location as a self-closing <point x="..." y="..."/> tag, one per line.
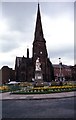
<point x="8" y="96"/>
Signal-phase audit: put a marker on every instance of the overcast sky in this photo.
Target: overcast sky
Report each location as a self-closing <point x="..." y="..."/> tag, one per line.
<point x="17" y="27"/>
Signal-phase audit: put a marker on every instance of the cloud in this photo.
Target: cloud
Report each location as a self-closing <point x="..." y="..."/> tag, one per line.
<point x="58" y="30"/>
<point x="57" y="9"/>
<point x="15" y="26"/>
<point x="59" y="35"/>
<point x="9" y="41"/>
<point x="17" y="13"/>
<point x="67" y="51"/>
<point x="14" y="39"/>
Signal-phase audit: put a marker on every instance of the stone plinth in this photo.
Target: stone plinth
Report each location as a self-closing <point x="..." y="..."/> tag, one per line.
<point x="38" y="78"/>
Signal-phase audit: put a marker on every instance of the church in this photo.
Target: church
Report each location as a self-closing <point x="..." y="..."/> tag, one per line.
<point x="25" y="66"/>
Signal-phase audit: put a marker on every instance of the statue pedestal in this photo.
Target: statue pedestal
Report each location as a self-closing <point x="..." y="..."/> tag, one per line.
<point x="38" y="78"/>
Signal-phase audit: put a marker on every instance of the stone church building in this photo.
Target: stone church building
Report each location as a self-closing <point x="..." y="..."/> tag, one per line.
<point x="25" y="66"/>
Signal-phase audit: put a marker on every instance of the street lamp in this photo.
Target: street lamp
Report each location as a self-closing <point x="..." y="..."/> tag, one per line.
<point x="60" y="65"/>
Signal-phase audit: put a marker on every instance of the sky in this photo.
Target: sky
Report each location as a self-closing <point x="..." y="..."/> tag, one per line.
<point x="17" y="27"/>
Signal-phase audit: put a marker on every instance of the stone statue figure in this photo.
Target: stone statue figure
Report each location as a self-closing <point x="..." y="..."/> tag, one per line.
<point x="38" y="68"/>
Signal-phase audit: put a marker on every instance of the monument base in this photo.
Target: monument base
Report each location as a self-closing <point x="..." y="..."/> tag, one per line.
<point x="38" y="79"/>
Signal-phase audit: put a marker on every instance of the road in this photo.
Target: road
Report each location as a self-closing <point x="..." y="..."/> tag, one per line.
<point x="47" y="108"/>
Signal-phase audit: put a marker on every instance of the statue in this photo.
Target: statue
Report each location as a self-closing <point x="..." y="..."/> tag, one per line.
<point x="38" y="74"/>
<point x="38" y="68"/>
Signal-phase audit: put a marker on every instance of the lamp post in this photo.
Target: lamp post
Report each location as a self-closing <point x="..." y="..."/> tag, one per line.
<point x="60" y="65"/>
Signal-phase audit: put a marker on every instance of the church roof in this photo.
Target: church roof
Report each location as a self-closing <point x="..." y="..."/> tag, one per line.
<point x="64" y="66"/>
<point x="19" y="60"/>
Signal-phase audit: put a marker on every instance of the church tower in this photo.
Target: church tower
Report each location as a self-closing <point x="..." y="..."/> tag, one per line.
<point x="39" y="44"/>
<point x="39" y="48"/>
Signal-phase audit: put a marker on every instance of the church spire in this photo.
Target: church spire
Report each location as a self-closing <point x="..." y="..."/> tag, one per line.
<point x="38" y="28"/>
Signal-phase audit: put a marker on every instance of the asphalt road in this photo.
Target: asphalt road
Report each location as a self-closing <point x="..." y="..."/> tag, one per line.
<point x="49" y="108"/>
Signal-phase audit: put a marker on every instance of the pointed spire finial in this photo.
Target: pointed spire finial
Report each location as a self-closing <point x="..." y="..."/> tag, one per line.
<point x="38" y="7"/>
